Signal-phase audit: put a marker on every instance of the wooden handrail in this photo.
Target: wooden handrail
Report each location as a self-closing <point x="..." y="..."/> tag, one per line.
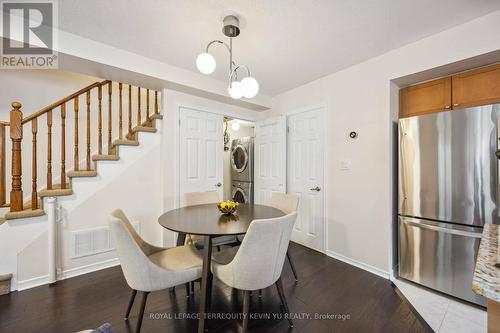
<point x="63" y="100"/>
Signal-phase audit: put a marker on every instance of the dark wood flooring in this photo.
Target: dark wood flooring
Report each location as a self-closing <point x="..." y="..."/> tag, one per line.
<point x="362" y="302"/>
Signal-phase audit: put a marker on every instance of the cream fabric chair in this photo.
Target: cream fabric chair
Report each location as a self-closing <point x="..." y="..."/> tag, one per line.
<point x="287" y="203"/>
<point x="258" y="262"/>
<point x="201" y="198"/>
<point x="147" y="267"/>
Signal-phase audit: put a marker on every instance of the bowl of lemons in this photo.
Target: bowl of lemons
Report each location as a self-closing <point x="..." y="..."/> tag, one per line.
<point x="227" y="207"/>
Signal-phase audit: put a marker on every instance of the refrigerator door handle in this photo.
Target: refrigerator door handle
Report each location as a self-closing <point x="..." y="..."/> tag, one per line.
<point x="445" y="230"/>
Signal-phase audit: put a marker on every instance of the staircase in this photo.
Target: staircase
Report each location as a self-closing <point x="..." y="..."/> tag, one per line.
<point x="137" y="119"/>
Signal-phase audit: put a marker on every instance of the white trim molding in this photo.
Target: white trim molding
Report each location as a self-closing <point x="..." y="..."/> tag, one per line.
<point x="31" y="283"/>
<point x="69" y="273"/>
<point x="366" y="267"/>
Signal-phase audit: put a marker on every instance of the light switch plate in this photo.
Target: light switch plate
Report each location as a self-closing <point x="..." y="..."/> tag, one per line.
<point x="345" y="164"/>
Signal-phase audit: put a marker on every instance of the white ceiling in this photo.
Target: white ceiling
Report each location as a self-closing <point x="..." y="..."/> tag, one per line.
<point x="286" y="43"/>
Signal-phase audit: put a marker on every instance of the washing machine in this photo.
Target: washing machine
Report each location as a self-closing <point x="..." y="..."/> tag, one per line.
<point x="242" y="159"/>
<point x="242" y="192"/>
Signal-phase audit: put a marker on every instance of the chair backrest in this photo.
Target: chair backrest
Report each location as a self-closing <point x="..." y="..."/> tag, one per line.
<point x="134" y="262"/>
<point x="286" y="202"/>
<point x="259" y="260"/>
<point x="200" y="198"/>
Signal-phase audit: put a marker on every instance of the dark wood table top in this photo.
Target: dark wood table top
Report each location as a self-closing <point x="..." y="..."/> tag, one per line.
<point x="208" y="220"/>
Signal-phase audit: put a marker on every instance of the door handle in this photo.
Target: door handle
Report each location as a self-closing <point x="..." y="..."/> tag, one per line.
<point x="317" y="189"/>
<point x="218" y="184"/>
<point x="445" y="230"/>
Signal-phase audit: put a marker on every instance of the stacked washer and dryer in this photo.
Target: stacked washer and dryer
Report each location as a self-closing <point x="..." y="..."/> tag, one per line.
<point x="242" y="170"/>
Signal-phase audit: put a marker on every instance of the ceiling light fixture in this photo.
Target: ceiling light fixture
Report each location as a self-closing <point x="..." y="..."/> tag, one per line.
<point x="248" y="87"/>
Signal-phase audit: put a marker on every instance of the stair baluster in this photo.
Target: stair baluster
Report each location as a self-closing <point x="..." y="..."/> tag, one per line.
<point x="138" y="106"/>
<point x="16" y="135"/>
<point x="63" y="146"/>
<point x="34" y="194"/>
<point x="129" y="136"/>
<point x="110" y="120"/>
<point x="120" y="115"/>
<point x="49" y="150"/>
<point x="76" y="159"/>
<point x="88" y="131"/>
<point x="147" y="107"/>
<point x="156" y="103"/>
<point x="99" y="116"/>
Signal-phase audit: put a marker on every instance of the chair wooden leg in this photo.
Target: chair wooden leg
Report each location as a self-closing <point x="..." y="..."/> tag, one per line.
<point x="292" y="266"/>
<point x="141" y="313"/>
<point x="246" y="310"/>
<point x="188" y="289"/>
<point x="130" y="303"/>
<point x="192" y="287"/>
<point x="281" y="292"/>
<point x="218" y="248"/>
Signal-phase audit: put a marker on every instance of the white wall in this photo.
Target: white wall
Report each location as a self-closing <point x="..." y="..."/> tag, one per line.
<point x="173" y="101"/>
<point x="359" y="98"/>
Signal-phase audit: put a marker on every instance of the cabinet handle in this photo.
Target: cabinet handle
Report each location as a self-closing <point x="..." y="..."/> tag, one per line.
<point x="455" y="104"/>
<point x="446" y="107"/>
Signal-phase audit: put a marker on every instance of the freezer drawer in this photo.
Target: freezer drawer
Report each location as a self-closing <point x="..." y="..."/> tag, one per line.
<point x="440" y="256"/>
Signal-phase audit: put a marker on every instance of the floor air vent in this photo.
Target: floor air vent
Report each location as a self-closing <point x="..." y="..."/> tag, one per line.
<point x="88" y="242"/>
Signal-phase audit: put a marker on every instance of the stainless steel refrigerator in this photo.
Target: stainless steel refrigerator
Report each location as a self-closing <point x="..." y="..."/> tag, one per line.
<point x="448" y="189"/>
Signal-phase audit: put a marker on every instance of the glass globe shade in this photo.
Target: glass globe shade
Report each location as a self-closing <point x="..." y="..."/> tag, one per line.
<point x="235" y="125"/>
<point x="235" y="90"/>
<point x="249" y="87"/>
<point x="206" y="63"/>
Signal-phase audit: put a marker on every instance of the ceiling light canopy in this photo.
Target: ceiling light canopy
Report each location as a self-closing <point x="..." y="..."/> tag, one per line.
<point x="248" y="87"/>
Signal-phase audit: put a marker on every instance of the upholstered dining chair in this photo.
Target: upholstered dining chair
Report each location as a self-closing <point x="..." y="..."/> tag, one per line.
<point x="150" y="268"/>
<point x="257" y="263"/>
<point x="201" y="198"/>
<point x="287" y="203"/>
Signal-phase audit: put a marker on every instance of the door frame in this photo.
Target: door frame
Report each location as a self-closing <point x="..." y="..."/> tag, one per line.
<point x="323" y="108"/>
<point x="177" y="136"/>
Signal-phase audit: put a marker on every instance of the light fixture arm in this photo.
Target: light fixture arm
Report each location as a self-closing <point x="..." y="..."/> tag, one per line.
<point x="229" y="49"/>
<point x="234" y="72"/>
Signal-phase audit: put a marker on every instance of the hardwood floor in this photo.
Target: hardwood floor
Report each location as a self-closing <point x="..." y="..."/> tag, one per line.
<point x="326" y="286"/>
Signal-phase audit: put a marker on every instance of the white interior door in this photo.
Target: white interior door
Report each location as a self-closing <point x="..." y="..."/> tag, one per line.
<point x="201" y="152"/>
<point x="305" y="176"/>
<point x="270" y="158"/>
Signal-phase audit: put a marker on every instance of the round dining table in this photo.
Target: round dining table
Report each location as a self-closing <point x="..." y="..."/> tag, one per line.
<point x="206" y="220"/>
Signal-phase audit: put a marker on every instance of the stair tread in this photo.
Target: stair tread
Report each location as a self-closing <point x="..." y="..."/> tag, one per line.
<point x="82" y="173"/>
<point x="24" y="214"/>
<point x="105" y="157"/>
<point x="144" y="129"/>
<point x="56" y="190"/>
<point x="156" y="116"/>
<point x="125" y="142"/>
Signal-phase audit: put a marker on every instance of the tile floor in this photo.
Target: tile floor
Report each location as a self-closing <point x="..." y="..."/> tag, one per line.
<point x="443" y="314"/>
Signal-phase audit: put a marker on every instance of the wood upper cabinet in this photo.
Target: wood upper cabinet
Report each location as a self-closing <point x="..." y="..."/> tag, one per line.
<point x="476" y="87"/>
<point x="429" y="97"/>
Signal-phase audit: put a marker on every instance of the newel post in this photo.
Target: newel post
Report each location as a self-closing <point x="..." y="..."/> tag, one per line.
<point x="16" y="135"/>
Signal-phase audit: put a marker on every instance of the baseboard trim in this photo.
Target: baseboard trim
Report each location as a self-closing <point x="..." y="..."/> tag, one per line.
<point x="32" y="283"/>
<point x="366" y="267"/>
<point x="67" y="274"/>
